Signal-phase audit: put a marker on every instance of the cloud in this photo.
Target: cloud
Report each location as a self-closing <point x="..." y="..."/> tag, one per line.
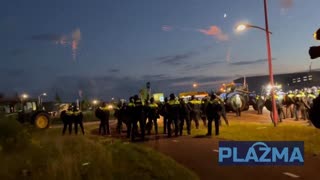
<point x="176" y="59"/>
<point x="154" y="77"/>
<point x="166" y="28"/>
<point x="240" y="63"/>
<point x="216" y="32"/>
<point x="201" y="66"/>
<point x="114" y="70"/>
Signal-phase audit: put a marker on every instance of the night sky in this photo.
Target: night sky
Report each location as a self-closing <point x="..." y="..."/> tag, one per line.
<point x="111" y="48"/>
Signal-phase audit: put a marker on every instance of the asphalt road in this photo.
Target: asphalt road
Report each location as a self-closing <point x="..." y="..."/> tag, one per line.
<point x="201" y="156"/>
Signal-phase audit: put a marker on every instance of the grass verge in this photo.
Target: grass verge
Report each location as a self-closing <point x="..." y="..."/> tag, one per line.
<point x="48" y="155"/>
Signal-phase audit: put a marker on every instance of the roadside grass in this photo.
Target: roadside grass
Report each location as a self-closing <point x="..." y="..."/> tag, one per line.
<point x="48" y="155"/>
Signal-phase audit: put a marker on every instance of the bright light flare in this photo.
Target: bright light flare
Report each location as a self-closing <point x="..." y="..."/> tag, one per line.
<point x="241" y="27"/>
<point x="24" y="96"/>
<point x="195" y="85"/>
<point x="95" y="102"/>
<point x="110" y="107"/>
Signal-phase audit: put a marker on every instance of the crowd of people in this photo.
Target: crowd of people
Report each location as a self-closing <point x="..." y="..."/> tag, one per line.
<point x="291" y="104"/>
<point x="141" y="117"/>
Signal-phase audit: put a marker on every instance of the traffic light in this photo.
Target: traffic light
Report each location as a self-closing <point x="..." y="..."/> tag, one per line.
<point x="316" y="35"/>
<point x="314" y="52"/>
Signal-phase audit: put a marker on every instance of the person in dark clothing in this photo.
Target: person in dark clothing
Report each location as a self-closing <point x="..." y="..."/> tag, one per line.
<point x="103" y="113"/>
<point x="130" y="115"/>
<point x="78" y="119"/>
<point x="195" y="112"/>
<point x="173" y="106"/>
<point x="67" y="119"/>
<point x="153" y="114"/>
<point x="184" y="117"/>
<point x="203" y="106"/>
<point x="223" y="110"/>
<point x="139" y="115"/>
<point x="164" y="113"/>
<point x="213" y="114"/>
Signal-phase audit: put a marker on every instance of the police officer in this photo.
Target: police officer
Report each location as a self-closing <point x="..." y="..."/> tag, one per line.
<point x="130" y="115"/>
<point x="203" y="105"/>
<point x="213" y="114"/>
<point x="103" y="114"/>
<point x="139" y="114"/>
<point x="164" y="113"/>
<point x="195" y="110"/>
<point x="260" y="104"/>
<point x="290" y="101"/>
<point x="173" y="107"/>
<point x="299" y="105"/>
<point x="78" y="119"/>
<point x="184" y="117"/>
<point x="67" y="119"/>
<point x="153" y="115"/>
<point x="223" y="110"/>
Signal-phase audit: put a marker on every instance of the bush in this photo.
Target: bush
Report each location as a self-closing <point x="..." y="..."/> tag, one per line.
<point x="13" y="136"/>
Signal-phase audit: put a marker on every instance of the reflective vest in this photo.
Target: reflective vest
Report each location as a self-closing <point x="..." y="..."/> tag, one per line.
<point x="131" y="104"/>
<point x="77" y="112"/>
<point x="195" y="102"/>
<point x="312" y="96"/>
<point x="153" y="105"/>
<point x="104" y="108"/>
<point x="69" y="112"/>
<point x="173" y="102"/>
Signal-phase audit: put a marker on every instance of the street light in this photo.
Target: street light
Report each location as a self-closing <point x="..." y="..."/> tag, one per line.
<point x="242" y="27"/>
<point x="195" y="85"/>
<point x="39" y="98"/>
<point x="24" y="96"/>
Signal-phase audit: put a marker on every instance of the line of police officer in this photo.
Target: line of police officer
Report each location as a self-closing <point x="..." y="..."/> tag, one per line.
<point x="72" y="116"/>
<point x="291" y="104"/>
<point x="176" y="113"/>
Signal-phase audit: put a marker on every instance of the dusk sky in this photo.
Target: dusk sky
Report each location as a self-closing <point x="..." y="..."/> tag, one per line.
<point x="111" y="48"/>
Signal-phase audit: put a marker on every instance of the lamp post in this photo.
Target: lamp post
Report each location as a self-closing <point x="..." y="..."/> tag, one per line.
<point x="242" y="27"/>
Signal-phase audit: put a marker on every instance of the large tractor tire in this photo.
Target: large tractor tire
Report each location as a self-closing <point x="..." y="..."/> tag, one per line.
<point x="42" y="120"/>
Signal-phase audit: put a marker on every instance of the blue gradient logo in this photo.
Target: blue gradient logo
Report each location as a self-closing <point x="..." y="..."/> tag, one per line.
<point x="282" y="153"/>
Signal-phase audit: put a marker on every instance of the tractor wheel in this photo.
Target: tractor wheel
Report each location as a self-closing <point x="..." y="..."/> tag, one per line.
<point x="41" y="121"/>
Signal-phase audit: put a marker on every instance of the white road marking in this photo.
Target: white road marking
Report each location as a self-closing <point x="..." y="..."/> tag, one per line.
<point x="291" y="175"/>
<point x="215" y="150"/>
<point x="174" y="140"/>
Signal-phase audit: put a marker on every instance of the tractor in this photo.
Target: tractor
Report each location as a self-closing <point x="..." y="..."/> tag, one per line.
<point x="26" y="111"/>
<point x="228" y="91"/>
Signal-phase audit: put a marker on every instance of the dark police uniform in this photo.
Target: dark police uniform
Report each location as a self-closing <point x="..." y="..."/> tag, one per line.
<point x="78" y="120"/>
<point x="103" y="114"/>
<point x="131" y="119"/>
<point x="184" y="117"/>
<point x="195" y="112"/>
<point x="213" y="114"/>
<point x="67" y="119"/>
<point x="173" y="107"/>
<point x="152" y="116"/>
<point x="139" y="115"/>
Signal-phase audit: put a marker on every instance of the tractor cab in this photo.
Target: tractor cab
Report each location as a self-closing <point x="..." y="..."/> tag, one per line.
<point x="26" y="111"/>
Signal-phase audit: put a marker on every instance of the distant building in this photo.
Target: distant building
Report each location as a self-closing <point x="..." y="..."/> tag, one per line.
<point x="288" y="81"/>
